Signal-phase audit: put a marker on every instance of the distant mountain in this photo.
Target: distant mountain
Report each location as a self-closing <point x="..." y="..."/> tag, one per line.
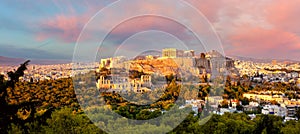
<point x="17" y="61"/>
<point x="10" y="61"/>
<point x="257" y="60"/>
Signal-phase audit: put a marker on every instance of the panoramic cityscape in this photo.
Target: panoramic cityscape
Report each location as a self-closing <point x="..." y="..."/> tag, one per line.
<point x="252" y="88"/>
<point x="152" y="66"/>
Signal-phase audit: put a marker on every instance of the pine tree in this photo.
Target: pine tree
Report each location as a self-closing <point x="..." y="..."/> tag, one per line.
<point x="8" y="112"/>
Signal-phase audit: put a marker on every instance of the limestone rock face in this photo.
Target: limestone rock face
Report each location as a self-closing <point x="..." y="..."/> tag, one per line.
<point x="164" y="66"/>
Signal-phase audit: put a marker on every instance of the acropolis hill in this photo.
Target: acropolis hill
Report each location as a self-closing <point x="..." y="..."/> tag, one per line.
<point x="164" y="66"/>
<point x="172" y="61"/>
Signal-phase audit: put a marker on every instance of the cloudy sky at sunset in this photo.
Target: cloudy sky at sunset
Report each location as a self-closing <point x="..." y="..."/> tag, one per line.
<point x="49" y="29"/>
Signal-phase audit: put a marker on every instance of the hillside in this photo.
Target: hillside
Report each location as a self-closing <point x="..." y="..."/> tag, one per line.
<point x="10" y="61"/>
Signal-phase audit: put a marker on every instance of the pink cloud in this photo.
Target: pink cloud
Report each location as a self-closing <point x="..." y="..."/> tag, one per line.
<point x="67" y="25"/>
<point x="65" y="28"/>
<point x="247" y="28"/>
<point x="263" y="29"/>
<point x="140" y="24"/>
<point x="269" y="43"/>
<point x="284" y="15"/>
<point x="209" y="8"/>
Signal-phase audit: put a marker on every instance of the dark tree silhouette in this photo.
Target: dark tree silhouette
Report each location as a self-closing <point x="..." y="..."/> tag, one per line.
<point x="8" y="112"/>
<point x="14" y="76"/>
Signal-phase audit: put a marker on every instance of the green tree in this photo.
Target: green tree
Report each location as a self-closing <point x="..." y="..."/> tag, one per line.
<point x="268" y="123"/>
<point x="298" y="113"/>
<point x="65" y="121"/>
<point x="291" y="127"/>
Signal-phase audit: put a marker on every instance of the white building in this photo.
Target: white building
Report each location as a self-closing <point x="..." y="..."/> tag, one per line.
<point x="274" y="109"/>
<point x="116" y="83"/>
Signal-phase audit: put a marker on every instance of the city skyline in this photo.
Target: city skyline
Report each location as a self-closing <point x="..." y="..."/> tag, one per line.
<point x="49" y="29"/>
<point x="149" y="66"/>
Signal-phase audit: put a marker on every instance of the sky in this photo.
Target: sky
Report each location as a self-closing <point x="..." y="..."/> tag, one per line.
<point x="50" y="29"/>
